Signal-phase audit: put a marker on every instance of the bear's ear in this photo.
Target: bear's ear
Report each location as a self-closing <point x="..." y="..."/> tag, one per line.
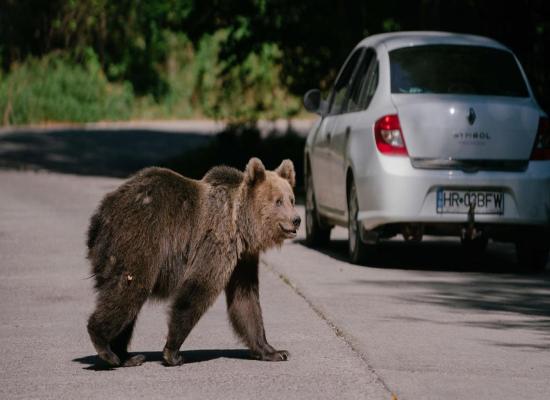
<point x="286" y="171"/>
<point x="254" y="172"/>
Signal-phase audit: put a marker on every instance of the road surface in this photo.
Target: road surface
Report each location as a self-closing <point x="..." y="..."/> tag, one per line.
<point x="421" y="322"/>
<point x="46" y="297"/>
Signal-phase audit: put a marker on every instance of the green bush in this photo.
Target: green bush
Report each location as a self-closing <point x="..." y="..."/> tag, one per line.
<point x="55" y="89"/>
<point x="245" y="91"/>
<point x="180" y="76"/>
<point x="200" y="84"/>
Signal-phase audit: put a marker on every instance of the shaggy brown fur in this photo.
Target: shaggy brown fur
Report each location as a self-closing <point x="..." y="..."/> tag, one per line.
<point x="166" y="236"/>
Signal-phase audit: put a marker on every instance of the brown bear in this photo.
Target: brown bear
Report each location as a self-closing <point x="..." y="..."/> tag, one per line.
<point x="165" y="236"/>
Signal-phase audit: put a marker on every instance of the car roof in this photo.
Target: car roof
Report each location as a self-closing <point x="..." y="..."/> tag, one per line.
<point x="395" y="40"/>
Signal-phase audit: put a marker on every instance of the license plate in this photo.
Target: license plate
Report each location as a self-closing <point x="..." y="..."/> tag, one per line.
<point x="460" y="201"/>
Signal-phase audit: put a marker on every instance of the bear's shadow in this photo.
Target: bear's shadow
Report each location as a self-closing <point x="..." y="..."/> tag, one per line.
<point x="190" y="356"/>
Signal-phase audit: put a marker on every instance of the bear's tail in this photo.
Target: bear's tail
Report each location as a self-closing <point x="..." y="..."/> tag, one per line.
<point x="96" y="250"/>
<point x="93" y="231"/>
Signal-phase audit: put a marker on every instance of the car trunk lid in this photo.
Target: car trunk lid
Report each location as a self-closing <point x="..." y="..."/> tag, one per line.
<point x="454" y="127"/>
<point x="463" y="104"/>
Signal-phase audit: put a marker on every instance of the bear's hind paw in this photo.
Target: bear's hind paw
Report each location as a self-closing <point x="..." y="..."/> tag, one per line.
<point x="109" y="357"/>
<point x="134" y="361"/>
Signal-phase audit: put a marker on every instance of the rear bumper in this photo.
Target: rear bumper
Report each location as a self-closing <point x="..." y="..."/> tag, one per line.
<point x="395" y="192"/>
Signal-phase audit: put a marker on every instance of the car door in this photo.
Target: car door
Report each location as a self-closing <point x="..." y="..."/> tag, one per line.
<point x="319" y="159"/>
<point x="356" y="102"/>
<point x="326" y="132"/>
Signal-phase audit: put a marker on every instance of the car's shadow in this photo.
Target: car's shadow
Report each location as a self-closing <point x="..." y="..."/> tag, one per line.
<point x="105" y="152"/>
<point x="431" y="255"/>
<point x="492" y="282"/>
<point x="93" y="362"/>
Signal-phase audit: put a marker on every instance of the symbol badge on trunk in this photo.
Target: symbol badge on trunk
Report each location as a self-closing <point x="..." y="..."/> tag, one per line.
<point x="471" y="116"/>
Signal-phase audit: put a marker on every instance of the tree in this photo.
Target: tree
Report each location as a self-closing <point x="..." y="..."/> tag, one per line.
<point x="313" y="36"/>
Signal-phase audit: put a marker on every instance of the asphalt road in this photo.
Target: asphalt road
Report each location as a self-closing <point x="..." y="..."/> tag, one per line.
<point x="46" y="297"/>
<point x="115" y="149"/>
<point x="429" y="323"/>
<point x="421" y="322"/>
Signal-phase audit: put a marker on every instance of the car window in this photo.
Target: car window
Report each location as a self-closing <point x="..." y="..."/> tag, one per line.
<point x="371" y="83"/>
<point x="456" y="69"/>
<point x="363" y="85"/>
<point x="340" y="90"/>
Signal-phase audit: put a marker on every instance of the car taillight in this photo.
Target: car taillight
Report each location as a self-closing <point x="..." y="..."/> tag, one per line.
<point x="389" y="137"/>
<point x="541" y="150"/>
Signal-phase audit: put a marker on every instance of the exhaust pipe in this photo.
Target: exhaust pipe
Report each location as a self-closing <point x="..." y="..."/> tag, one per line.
<point x="412" y="232"/>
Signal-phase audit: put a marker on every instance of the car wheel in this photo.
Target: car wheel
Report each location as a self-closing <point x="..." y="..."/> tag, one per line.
<point x="316" y="234"/>
<point x="358" y="250"/>
<point x="475" y="247"/>
<point x="532" y="252"/>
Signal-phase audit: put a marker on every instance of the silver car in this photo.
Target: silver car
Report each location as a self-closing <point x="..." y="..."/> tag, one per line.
<point x="430" y="133"/>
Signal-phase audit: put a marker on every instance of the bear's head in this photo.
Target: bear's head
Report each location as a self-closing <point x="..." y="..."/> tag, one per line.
<point x="270" y="204"/>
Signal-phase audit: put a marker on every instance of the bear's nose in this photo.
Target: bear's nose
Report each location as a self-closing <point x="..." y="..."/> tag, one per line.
<point x="296" y="221"/>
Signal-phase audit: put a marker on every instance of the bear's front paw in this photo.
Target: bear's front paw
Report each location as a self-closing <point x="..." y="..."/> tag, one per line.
<point x="277" y="355"/>
<point x="172" y="358"/>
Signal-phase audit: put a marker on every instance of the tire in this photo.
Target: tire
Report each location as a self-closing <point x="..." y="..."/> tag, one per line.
<point x="475" y="247"/>
<point x="532" y="252"/>
<point x="317" y="234"/>
<point x="357" y="250"/>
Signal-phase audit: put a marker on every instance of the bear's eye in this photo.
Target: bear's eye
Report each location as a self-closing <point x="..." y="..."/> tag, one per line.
<point x="279" y="202"/>
<point x="292" y="201"/>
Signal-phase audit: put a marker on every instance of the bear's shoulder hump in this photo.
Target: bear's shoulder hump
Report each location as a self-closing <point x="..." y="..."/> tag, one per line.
<point x="223" y="175"/>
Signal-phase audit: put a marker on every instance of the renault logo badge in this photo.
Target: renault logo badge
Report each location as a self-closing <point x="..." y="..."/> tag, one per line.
<point x="471" y="116"/>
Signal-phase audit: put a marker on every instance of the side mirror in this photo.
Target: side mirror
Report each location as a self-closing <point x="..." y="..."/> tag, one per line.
<point x="313" y="102"/>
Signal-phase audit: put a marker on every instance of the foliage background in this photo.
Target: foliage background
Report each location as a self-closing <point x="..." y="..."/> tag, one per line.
<point x="88" y="60"/>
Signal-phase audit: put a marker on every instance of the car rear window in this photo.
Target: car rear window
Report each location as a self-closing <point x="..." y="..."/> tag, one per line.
<point x="456" y="69"/>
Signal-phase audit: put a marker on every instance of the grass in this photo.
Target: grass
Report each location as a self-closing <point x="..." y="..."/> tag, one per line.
<point x="59" y="88"/>
<point x="54" y="89"/>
